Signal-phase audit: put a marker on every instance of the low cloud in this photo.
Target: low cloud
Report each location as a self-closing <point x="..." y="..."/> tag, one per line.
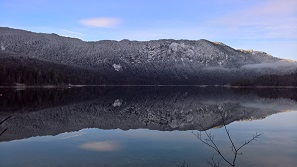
<point x="100" y="22"/>
<point x="282" y="67"/>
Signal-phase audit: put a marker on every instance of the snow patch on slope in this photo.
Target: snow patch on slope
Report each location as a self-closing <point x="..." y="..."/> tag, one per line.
<point x="186" y="49"/>
<point x="2" y="47"/>
<point x="117" y="103"/>
<point x="117" y="67"/>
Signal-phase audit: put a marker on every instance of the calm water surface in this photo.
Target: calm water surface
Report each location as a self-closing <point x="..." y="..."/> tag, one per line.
<point x="145" y="126"/>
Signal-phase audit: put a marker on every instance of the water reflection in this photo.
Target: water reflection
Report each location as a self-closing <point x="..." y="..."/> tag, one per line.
<point x="144" y="126"/>
<point x="100" y="146"/>
<point x="133" y="108"/>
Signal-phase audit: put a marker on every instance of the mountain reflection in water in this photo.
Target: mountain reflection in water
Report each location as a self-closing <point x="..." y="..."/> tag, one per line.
<point x="97" y="116"/>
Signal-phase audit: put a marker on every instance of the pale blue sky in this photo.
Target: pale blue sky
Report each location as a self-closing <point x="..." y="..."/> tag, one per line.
<point x="265" y="25"/>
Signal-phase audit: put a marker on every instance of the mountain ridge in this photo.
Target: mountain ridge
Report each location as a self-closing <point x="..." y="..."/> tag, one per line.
<point x="165" y="61"/>
<point x="128" y="40"/>
<point x="25" y="38"/>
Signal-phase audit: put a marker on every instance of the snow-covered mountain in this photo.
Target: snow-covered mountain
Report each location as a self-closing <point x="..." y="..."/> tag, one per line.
<point x="163" y="61"/>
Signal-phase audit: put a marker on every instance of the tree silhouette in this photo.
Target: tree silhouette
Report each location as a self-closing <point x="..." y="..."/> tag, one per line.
<point x="236" y="150"/>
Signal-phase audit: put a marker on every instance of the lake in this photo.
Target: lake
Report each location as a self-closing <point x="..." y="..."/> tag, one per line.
<point x="146" y="126"/>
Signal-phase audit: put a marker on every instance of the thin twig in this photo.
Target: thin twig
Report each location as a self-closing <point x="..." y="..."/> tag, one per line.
<point x="3" y="131"/>
<point x="247" y="142"/>
<point x="2" y="123"/>
<point x="4" y="120"/>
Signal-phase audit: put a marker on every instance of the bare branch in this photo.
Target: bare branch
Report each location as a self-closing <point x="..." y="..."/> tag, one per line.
<point x="247" y="142"/>
<point x="209" y="141"/>
<point x="214" y="162"/>
<point x="2" y="123"/>
<point x="3" y="131"/>
<point x="4" y="120"/>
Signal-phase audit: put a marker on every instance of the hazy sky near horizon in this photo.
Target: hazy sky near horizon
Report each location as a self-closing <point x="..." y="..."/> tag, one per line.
<point x="265" y="25"/>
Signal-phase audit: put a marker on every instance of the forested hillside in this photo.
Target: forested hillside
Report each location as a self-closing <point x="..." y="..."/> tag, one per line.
<point x="17" y="70"/>
<point x="48" y="59"/>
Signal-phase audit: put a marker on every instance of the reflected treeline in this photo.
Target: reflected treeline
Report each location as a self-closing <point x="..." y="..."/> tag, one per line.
<point x="24" y="100"/>
<point x="16" y="100"/>
<point x="32" y="99"/>
<point x="38" y="112"/>
<point x="273" y="93"/>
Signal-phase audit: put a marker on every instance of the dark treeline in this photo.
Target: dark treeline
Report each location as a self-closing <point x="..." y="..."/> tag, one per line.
<point x="270" y="93"/>
<point x="269" y="80"/>
<point x="33" y="76"/>
<point x="17" y="70"/>
<point x="20" y="70"/>
<point x="25" y="71"/>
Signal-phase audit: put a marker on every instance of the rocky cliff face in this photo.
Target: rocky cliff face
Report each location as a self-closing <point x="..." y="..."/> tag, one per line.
<point x="147" y="108"/>
<point x="151" y="62"/>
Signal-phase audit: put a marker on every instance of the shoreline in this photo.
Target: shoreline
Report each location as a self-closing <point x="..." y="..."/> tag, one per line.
<point x="200" y="86"/>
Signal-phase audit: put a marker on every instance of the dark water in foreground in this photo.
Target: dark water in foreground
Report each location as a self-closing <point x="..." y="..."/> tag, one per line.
<point x="145" y="126"/>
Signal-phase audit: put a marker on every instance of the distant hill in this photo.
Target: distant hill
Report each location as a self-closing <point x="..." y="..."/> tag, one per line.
<point x="38" y="59"/>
